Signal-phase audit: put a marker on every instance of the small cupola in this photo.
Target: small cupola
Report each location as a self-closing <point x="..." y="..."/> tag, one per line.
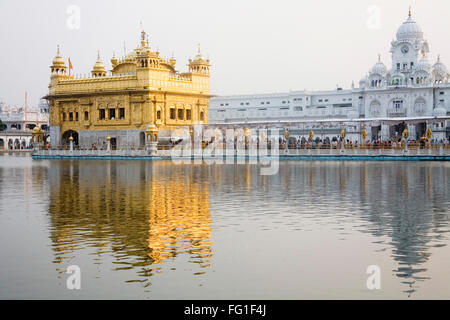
<point x="58" y="64"/>
<point x="99" y="68"/>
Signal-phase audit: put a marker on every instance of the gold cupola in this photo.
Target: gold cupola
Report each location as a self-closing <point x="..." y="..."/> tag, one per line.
<point x="199" y="64"/>
<point x="114" y="61"/>
<point x="99" y="68"/>
<point x="58" y="64"/>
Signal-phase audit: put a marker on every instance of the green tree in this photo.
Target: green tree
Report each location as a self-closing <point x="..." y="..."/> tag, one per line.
<point x="2" y="127"/>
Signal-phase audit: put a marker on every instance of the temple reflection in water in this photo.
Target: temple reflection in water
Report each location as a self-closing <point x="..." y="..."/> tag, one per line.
<point x="142" y="213"/>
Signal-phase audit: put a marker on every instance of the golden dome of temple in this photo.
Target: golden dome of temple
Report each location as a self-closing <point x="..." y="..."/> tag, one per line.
<point x="58" y="61"/>
<point x="58" y="64"/>
<point x="99" y="68"/>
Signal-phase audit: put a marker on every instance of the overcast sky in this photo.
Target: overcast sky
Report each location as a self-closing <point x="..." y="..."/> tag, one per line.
<point x="255" y="46"/>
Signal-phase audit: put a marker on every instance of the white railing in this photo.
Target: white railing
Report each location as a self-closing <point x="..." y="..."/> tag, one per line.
<point x="91" y="153"/>
<point x="281" y="152"/>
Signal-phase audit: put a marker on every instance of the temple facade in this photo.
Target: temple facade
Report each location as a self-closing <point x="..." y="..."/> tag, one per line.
<point x="142" y="89"/>
<point x="413" y="92"/>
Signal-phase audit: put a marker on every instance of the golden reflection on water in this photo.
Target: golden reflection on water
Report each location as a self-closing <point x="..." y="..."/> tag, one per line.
<point x="143" y="214"/>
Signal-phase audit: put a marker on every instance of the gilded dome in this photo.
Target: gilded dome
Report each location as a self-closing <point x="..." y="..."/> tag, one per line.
<point x="99" y="66"/>
<point x="58" y="61"/>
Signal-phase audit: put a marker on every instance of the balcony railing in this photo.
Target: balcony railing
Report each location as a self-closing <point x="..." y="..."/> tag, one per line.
<point x="397" y="112"/>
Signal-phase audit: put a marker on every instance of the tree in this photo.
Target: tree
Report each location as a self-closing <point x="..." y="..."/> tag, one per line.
<point x="2" y="126"/>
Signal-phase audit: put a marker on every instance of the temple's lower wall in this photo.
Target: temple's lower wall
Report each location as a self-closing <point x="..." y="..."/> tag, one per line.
<point x="55" y="135"/>
<point x="123" y="139"/>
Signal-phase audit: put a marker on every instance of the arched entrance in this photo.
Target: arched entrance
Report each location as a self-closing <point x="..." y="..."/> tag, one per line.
<point x="2" y="144"/>
<point x="142" y="139"/>
<point x="66" y="135"/>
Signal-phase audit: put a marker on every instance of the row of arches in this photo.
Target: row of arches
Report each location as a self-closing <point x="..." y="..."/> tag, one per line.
<point x="376" y="83"/>
<point x="145" y="63"/>
<point x="398" y="104"/>
<point x="180" y="113"/>
<point x="18" y="126"/>
<point x="14" y="143"/>
<point x="199" y="69"/>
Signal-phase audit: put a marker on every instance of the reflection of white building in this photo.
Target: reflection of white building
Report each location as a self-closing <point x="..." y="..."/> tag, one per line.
<point x="412" y="87"/>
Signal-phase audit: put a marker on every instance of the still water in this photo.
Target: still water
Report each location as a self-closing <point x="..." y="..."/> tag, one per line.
<point x="158" y="230"/>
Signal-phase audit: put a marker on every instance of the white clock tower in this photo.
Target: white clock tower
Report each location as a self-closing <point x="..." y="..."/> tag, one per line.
<point x="406" y="51"/>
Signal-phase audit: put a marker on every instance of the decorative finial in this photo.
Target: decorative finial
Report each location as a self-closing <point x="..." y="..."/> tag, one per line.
<point x="379" y="57"/>
<point x="439" y="58"/>
<point x="199" y="48"/>
<point x="409" y="13"/>
<point x="57" y="51"/>
<point x="98" y="54"/>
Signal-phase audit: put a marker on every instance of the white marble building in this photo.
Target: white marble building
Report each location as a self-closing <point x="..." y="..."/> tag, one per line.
<point x="413" y="89"/>
<point x="18" y="123"/>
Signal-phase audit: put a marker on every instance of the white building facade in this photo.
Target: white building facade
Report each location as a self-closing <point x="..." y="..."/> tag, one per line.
<point x="412" y="88"/>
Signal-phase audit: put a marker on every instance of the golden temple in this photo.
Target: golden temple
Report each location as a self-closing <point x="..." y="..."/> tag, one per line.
<point x="142" y="89"/>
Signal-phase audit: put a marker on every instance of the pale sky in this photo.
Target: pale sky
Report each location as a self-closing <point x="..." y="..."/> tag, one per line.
<point x="255" y="46"/>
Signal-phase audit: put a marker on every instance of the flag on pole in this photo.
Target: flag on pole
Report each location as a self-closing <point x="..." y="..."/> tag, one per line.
<point x="70" y="66"/>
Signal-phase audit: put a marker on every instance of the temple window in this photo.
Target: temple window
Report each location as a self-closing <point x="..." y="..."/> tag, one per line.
<point x="158" y="115"/>
<point x="70" y="116"/>
<point x="172" y="114"/>
<point x="112" y="114"/>
<point x="64" y="116"/>
<point x="122" y="113"/>
<point x="202" y="116"/>
<point x="86" y="116"/>
<point x="102" y="114"/>
<point x="188" y="114"/>
<point x="76" y="116"/>
<point x="180" y="114"/>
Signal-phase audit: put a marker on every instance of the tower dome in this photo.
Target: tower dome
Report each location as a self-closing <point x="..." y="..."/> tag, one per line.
<point x="424" y="64"/>
<point x="58" y="64"/>
<point x="114" y="60"/>
<point x="440" y="71"/>
<point x="199" y="64"/>
<point x="379" y="67"/>
<point x="409" y="30"/>
<point x="99" y="68"/>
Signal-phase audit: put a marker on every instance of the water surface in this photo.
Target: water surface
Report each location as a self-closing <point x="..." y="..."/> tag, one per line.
<point x="158" y="230"/>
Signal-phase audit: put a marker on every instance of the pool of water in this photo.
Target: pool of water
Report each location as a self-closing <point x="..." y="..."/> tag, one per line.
<point x="160" y="230"/>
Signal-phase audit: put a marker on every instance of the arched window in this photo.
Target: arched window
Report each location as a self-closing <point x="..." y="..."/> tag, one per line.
<point x="180" y="114"/>
<point x="420" y="106"/>
<point x="202" y="116"/>
<point x="158" y="115"/>
<point x="375" y="108"/>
